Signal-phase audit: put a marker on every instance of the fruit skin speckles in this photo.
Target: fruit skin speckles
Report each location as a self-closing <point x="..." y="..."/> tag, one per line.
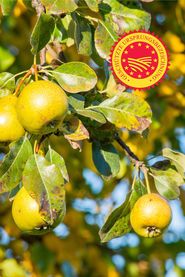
<point x="41" y="107"/>
<point x="151" y="215"/>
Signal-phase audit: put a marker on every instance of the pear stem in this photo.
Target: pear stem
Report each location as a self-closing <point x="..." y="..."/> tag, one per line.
<point x="35" y="70"/>
<point x="22" y="81"/>
<point x="35" y="146"/>
<point x="135" y="175"/>
<point x="35" y="59"/>
<point x="146" y="179"/>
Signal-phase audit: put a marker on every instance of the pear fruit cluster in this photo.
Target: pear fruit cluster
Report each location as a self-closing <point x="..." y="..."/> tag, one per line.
<point x="39" y="109"/>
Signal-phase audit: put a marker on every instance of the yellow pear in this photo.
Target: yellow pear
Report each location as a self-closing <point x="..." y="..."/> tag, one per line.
<point x="150" y="215"/>
<point x="10" y="127"/>
<point x="25" y="212"/>
<point x="41" y="107"/>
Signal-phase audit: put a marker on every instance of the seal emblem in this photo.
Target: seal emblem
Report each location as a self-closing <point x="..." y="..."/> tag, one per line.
<point x="139" y="60"/>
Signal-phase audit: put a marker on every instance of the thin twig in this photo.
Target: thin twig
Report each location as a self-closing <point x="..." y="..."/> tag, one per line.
<point x="22" y="81"/>
<point x="35" y="71"/>
<point x="134" y="180"/>
<point x="134" y="159"/>
<point x="144" y="169"/>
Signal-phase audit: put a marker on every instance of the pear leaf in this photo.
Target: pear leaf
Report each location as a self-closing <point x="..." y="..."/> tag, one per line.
<point x="7" y="6"/>
<point x="44" y="182"/>
<point x="75" y="77"/>
<point x="7" y="81"/>
<point x="42" y="32"/>
<point x="167" y="182"/>
<point x="126" y="110"/>
<point x="106" y="159"/>
<point x="76" y="104"/>
<point x="74" y="129"/>
<point x="177" y="158"/>
<point x="53" y="157"/>
<point x="13" y="164"/>
<point x="118" y="222"/>
<point x="93" y="5"/>
<point x="59" y="6"/>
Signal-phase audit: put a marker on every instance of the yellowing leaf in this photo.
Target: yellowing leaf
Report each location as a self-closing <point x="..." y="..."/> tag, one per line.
<point x="126" y="110"/>
<point x="75" y="130"/>
<point x="113" y="88"/>
<point x="59" y="6"/>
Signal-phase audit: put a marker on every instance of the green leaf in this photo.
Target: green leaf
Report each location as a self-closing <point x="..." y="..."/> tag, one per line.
<point x="93" y="5"/>
<point x="93" y="115"/>
<point x="59" y="32"/>
<point x="124" y="19"/>
<point x="13" y="164"/>
<point x="118" y="222"/>
<point x="44" y="182"/>
<point x="76" y="103"/>
<point x="73" y="129"/>
<point x="7" y="59"/>
<point x="64" y="30"/>
<point x="106" y="159"/>
<point x="83" y="35"/>
<point x="7" y="81"/>
<point x="75" y="77"/>
<point x="177" y="158"/>
<point x="42" y="32"/>
<point x="104" y="38"/>
<point x="59" y="6"/>
<point x="167" y="182"/>
<point x="113" y="88"/>
<point x="118" y="20"/>
<point x="53" y="157"/>
<point x="126" y="110"/>
<point x="7" y="6"/>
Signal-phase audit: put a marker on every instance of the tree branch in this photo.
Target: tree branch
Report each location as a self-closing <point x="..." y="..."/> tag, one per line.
<point x="134" y="159"/>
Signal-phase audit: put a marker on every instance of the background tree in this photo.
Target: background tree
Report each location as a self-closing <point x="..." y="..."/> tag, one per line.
<point x="70" y="43"/>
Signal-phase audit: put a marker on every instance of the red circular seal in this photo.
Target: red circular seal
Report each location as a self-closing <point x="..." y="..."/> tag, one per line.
<point x="139" y="60"/>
